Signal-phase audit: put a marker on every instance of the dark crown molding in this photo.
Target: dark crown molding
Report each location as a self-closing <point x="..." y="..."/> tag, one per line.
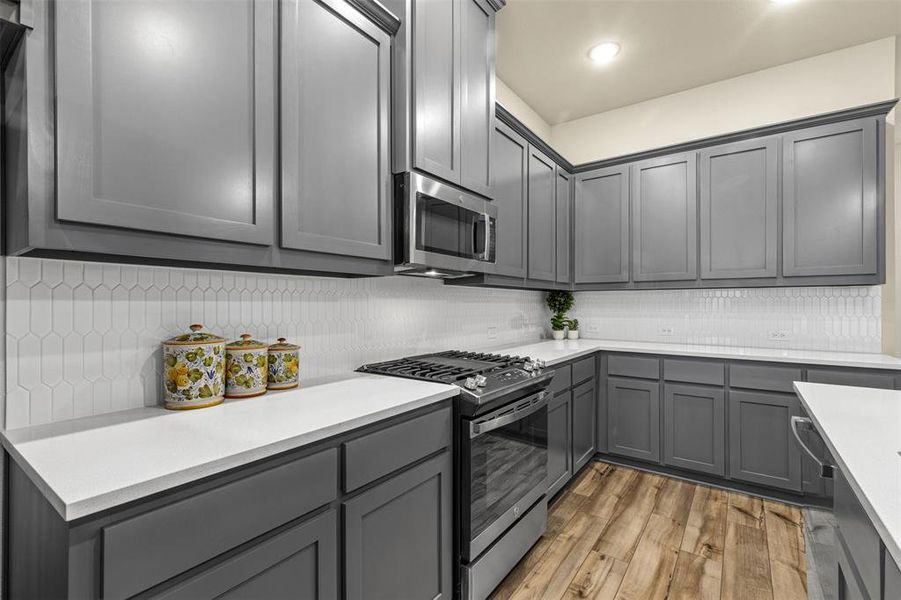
<point x="378" y="14"/>
<point x="497" y="4"/>
<point x="516" y="125"/>
<point x="857" y="112"/>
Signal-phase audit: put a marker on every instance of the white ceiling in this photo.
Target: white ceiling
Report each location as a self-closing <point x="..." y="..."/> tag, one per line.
<point x="667" y="45"/>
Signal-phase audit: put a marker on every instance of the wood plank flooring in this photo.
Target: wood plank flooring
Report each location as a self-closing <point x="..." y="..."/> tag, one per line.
<point x="622" y="534"/>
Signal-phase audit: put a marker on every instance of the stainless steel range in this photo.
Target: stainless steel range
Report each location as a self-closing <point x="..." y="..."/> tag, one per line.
<point x="501" y="456"/>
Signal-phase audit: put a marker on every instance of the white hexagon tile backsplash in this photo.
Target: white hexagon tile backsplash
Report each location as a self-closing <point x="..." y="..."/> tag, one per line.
<point x="84" y="338"/>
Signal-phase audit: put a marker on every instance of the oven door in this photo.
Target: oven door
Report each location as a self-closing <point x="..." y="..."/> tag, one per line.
<point x="504" y="460"/>
<point x="446" y="228"/>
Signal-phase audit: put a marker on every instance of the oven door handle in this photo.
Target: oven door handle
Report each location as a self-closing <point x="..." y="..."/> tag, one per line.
<point x="477" y="428"/>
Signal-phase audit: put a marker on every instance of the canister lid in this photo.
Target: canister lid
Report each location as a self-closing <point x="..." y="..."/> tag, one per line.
<point x="282" y="345"/>
<point x="195" y="337"/>
<point x="245" y="343"/>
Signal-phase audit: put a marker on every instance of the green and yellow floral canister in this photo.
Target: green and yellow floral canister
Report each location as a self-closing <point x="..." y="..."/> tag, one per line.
<point x="194" y="369"/>
<point x="245" y="368"/>
<point x="284" y="365"/>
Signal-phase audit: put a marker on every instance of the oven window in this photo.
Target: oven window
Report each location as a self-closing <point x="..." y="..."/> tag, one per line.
<point x="505" y="465"/>
<point x="448" y="229"/>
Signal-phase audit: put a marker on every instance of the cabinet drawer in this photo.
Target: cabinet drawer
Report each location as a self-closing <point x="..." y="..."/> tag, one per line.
<point x="710" y="372"/>
<point x="583" y="370"/>
<point x="858" y="534"/>
<point x="562" y="381"/>
<point x="150" y="548"/>
<point x="375" y="455"/>
<point x="763" y="377"/>
<point x="856" y="377"/>
<point x="633" y="366"/>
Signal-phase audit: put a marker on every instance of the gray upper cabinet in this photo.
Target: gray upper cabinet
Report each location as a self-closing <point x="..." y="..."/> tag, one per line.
<point x="398" y="538"/>
<point x="664" y="218"/>
<point x="336" y="168"/>
<point x="633" y="418"/>
<point x="477" y="100"/>
<point x="739" y="202"/>
<point x="832" y="214"/>
<point x="444" y="90"/>
<point x="509" y="171"/>
<point x="564" y="226"/>
<point x="601" y="226"/>
<point x="762" y="449"/>
<point x="165" y="116"/>
<point x="694" y="428"/>
<point x="542" y="239"/>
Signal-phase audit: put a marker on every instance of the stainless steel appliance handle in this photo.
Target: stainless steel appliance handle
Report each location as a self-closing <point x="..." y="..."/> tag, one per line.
<point x="826" y="470"/>
<point x="486" y="255"/>
<point x="477" y="428"/>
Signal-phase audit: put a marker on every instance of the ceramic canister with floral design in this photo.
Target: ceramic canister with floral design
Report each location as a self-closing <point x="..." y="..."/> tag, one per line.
<point x="245" y="368"/>
<point x="194" y="369"/>
<point x="284" y="365"/>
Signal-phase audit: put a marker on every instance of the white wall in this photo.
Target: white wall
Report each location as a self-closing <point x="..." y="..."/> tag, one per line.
<point x="522" y="111"/>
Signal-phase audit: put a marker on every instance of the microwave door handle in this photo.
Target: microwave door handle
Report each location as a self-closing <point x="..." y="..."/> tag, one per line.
<point x="486" y="255"/>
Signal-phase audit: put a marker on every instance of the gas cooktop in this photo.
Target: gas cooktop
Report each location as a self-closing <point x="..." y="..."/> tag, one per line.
<point x="487" y="380"/>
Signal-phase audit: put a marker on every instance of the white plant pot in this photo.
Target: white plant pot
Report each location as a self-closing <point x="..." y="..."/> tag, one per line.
<point x="558" y="335"/>
<point x="573" y="334"/>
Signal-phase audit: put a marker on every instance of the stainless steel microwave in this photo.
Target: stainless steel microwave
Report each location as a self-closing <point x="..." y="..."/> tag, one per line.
<point x="441" y="231"/>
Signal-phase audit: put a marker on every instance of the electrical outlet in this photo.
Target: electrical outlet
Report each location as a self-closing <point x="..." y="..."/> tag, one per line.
<point x="778" y="335"/>
<point x="492" y="333"/>
<point x="592" y="329"/>
<point x="667" y="330"/>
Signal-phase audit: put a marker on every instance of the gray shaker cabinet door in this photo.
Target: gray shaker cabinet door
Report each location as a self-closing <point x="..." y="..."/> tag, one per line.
<point x="477" y="95"/>
<point x="761" y="446"/>
<point x="664" y="219"/>
<point x="694" y="428"/>
<point x="336" y="167"/>
<point x="564" y="226"/>
<point x="436" y="88"/>
<point x="584" y="420"/>
<point x="831" y="215"/>
<point x="398" y="536"/>
<point x="542" y="240"/>
<point x="165" y="116"/>
<point x="559" y="443"/>
<point x="739" y="204"/>
<point x="301" y="562"/>
<point x="510" y="181"/>
<point x="633" y="418"/>
<point x="601" y="226"/>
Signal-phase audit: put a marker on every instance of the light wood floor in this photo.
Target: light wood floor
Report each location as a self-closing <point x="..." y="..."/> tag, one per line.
<point x="625" y="534"/>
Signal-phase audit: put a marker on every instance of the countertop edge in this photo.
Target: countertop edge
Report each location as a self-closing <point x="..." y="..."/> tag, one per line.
<point x="891" y="544"/>
<point x="87" y="507"/>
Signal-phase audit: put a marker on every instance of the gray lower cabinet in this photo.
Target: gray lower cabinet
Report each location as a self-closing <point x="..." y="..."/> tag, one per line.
<point x="601" y="226"/>
<point x="510" y="169"/>
<point x="584" y="420"/>
<point x="542" y="239"/>
<point x="832" y="216"/>
<point x="150" y="133"/>
<point x="761" y="446"/>
<point x="559" y="438"/>
<point x="664" y="218"/>
<point x="335" y="87"/>
<point x="694" y="428"/>
<point x="300" y="562"/>
<point x="398" y="536"/>
<point x="633" y="418"/>
<point x="564" y="226"/>
<point x="738" y="209"/>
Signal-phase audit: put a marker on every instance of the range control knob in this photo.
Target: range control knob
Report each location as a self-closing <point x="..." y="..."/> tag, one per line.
<point x="470" y="383"/>
<point x="528" y="366"/>
<point x="539" y="364"/>
<point x="481" y="380"/>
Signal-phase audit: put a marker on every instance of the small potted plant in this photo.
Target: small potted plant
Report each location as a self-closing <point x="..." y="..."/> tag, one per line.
<point x="573" y="333"/>
<point x="559" y="302"/>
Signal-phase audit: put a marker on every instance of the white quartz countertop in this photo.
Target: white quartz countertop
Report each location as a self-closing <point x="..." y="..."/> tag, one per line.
<point x="862" y="429"/>
<point x="89" y="465"/>
<point x="554" y="352"/>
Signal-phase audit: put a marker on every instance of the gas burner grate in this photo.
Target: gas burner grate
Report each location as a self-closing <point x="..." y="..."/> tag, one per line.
<point x="446" y="367"/>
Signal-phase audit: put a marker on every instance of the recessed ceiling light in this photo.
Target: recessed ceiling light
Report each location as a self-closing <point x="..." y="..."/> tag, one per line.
<point x="782" y="1"/>
<point x="603" y="52"/>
